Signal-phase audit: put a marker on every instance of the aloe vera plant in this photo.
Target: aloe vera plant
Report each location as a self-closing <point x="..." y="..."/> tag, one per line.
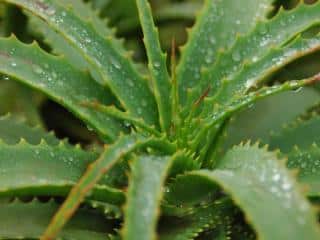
<point x="173" y="165"/>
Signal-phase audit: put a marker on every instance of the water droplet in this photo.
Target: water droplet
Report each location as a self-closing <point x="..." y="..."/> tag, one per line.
<point x="286" y="186"/>
<point x="236" y="56"/>
<point x="87" y="40"/>
<point x="276" y="177"/>
<point x="263" y="29"/>
<point x="255" y="59"/>
<point x="13" y="64"/>
<point x="212" y="40"/>
<point x="37" y="69"/>
<point x="298" y="89"/>
<point x="156" y="64"/>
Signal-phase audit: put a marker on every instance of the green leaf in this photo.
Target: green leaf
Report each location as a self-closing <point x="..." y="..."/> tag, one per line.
<point x="61" y="46"/>
<point x="269" y="34"/>
<point x="162" y="12"/>
<point x="144" y="195"/>
<point x="12" y="130"/>
<point x="212" y="32"/>
<point x="222" y="112"/>
<point x="116" y="70"/>
<point x="215" y="215"/>
<point x="157" y="64"/>
<point x="124" y="116"/>
<point x="20" y="100"/>
<point x="189" y="190"/>
<point x="307" y="161"/>
<point x="262" y="187"/>
<point x="268" y="115"/>
<point x="263" y="68"/>
<point x="59" y="80"/>
<point x="112" y="154"/>
<point x="43" y="170"/>
<point x="20" y="220"/>
<point x="301" y="133"/>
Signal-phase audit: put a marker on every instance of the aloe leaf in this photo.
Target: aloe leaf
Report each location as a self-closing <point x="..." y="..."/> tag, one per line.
<point x="301" y="133"/>
<point x="21" y="220"/>
<point x="265" y="116"/>
<point x="124" y="116"/>
<point x="61" y="46"/>
<point x="144" y="196"/>
<point x="12" y="130"/>
<point x="262" y="187"/>
<point x="59" y="80"/>
<point x="43" y="170"/>
<point x="215" y="215"/>
<point x="115" y="69"/>
<point x="167" y="11"/>
<point x="206" y="38"/>
<point x="188" y="190"/>
<point x="112" y="154"/>
<point x="20" y="100"/>
<point x="157" y="64"/>
<point x="268" y="34"/>
<point x="254" y="73"/>
<point x="307" y="161"/>
<point x="222" y="112"/>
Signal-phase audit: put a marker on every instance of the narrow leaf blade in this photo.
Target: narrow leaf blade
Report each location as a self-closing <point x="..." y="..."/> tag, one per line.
<point x="261" y="185"/>
<point x="157" y="64"/>
<point x="144" y="196"/>
<point x="57" y="79"/>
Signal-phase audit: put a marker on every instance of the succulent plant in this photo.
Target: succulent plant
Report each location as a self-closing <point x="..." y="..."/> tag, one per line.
<point x="173" y="164"/>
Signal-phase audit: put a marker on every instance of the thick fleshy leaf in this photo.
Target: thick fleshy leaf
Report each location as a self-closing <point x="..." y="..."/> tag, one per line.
<point x="301" y="133"/>
<point x="262" y="187"/>
<point x="61" y="46"/>
<point x="270" y="34"/>
<point x="59" y="80"/>
<point x="19" y="220"/>
<point x="116" y="70"/>
<point x="20" y="100"/>
<point x="212" y="32"/>
<point x="257" y="122"/>
<point x="215" y="215"/>
<point x="307" y="161"/>
<point x="112" y="154"/>
<point x="43" y="170"/>
<point x="260" y="69"/>
<point x="144" y="195"/>
<point x="157" y="64"/>
<point x="220" y="113"/>
<point x="13" y="130"/>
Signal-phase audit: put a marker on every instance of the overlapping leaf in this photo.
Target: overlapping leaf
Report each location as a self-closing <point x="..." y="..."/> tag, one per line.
<point x="122" y="147"/>
<point x="157" y="64"/>
<point x="215" y="29"/>
<point x="261" y="185"/>
<point x="116" y="70"/>
<point x="59" y="80"/>
<point x="307" y="161"/>
<point x="144" y="196"/>
<point x="21" y="220"/>
<point x="43" y="170"/>
<point x="269" y="34"/>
